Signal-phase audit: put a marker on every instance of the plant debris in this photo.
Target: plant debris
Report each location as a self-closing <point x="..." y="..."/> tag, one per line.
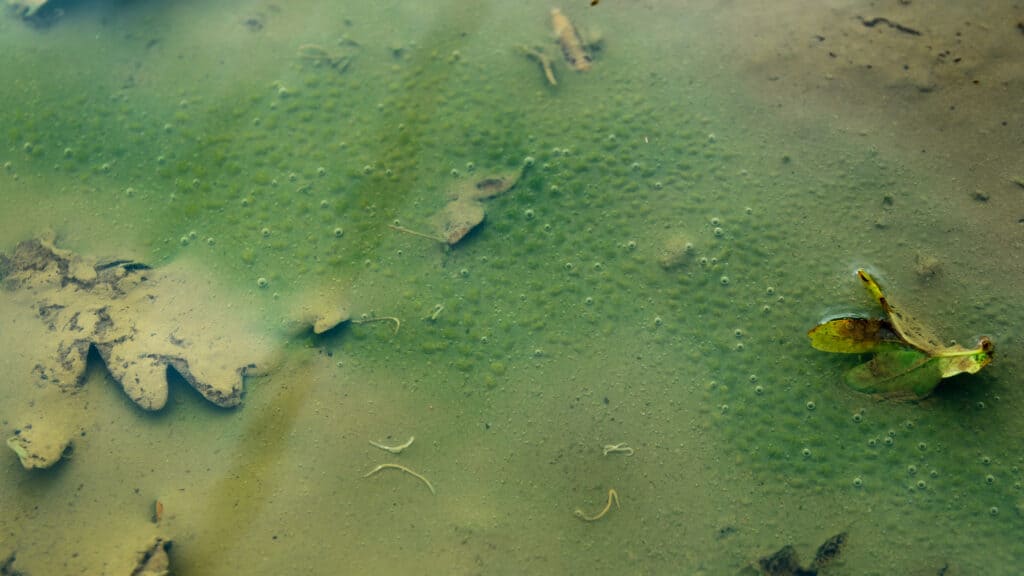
<point x="871" y="23"/>
<point x="909" y="361"/>
<point x="786" y="561"/>
<point x="576" y="53"/>
<point x="7" y="566"/>
<point x="154" y="560"/>
<point x="338" y="59"/>
<point x="40" y="446"/>
<point x="545" y="63"/>
<point x="465" y="210"/>
<point x="26" y="8"/>
<point x="141" y="321"/>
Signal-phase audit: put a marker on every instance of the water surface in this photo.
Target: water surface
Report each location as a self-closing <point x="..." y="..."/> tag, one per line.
<point x="789" y="144"/>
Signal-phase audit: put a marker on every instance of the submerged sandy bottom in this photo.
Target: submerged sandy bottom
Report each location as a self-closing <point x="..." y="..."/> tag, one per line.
<point x="170" y="131"/>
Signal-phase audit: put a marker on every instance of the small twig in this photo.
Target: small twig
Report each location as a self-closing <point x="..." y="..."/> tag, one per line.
<point x="158" y="511"/>
<point x="894" y="25"/>
<point x="544" y="61"/>
<point x="407" y="471"/>
<point x="620" y="448"/>
<point x="613" y="496"/>
<point x="435" y="313"/>
<point x="394" y="449"/>
<point x="415" y="233"/>
<point x="398" y="323"/>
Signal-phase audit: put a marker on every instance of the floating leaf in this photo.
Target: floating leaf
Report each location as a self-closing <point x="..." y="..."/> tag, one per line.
<point x="957" y="359"/>
<point x="853" y="335"/>
<point x="908" y="359"/>
<point x="910" y="331"/>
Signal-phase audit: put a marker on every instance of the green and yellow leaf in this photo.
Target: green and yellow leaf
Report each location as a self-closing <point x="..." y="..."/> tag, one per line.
<point x="897" y="373"/>
<point x="908" y="330"/>
<point x="853" y="335"/>
<point x="908" y="359"/>
<point x="958" y="360"/>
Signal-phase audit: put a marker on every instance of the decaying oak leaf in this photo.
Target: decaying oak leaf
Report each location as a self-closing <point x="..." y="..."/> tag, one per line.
<point x="142" y="321"/>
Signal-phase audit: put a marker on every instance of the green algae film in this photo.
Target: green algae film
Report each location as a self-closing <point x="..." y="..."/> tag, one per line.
<point x="560" y="331"/>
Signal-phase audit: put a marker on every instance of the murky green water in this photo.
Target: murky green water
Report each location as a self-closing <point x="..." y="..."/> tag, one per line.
<point x="162" y="130"/>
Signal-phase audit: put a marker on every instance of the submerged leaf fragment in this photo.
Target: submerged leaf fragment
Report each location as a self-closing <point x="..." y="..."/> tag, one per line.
<point x="458" y="218"/>
<point x="908" y="359"/>
<point x="896" y="372"/>
<point x="465" y="210"/>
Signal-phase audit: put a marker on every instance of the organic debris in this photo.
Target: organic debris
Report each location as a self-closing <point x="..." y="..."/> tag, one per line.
<point x="927" y="267"/>
<point x="401" y="468"/>
<point x="908" y="360"/>
<point x="676" y="252"/>
<point x="338" y="59"/>
<point x="458" y="217"/>
<point x="577" y="51"/>
<point x="573" y="48"/>
<point x="154" y="560"/>
<point x="545" y="63"/>
<point x="40" y="446"/>
<point x="140" y="320"/>
<point x="322" y="309"/>
<point x="26" y="8"/>
<point x="786" y="562"/>
<point x="613" y="498"/>
<point x="466" y="210"/>
<point x="7" y="566"/>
